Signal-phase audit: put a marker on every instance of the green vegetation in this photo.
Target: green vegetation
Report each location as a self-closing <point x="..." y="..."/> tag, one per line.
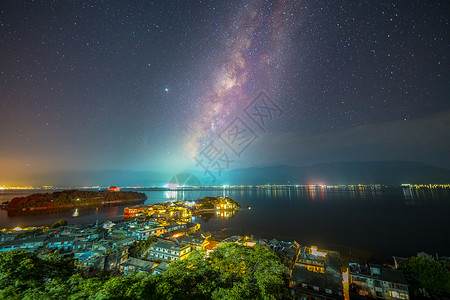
<point x="22" y="271"/>
<point x="426" y="273"/>
<point x="212" y="202"/>
<point x="231" y="272"/>
<point x="71" y="198"/>
<point x="59" y="224"/>
<point x="206" y="204"/>
<point x="139" y="247"/>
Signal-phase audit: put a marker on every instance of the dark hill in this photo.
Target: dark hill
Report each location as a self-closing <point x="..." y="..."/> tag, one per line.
<point x="383" y="172"/>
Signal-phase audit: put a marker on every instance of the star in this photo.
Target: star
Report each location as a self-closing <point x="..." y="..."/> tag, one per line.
<point x="166" y="89"/>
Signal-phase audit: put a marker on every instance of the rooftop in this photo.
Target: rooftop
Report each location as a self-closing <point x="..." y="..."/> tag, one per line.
<point x="131" y="261"/>
<point x="380" y="272"/>
<point x="321" y="280"/>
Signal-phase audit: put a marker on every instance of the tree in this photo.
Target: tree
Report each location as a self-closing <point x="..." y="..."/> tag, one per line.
<point x="59" y="224"/>
<point x="139" y="247"/>
<point x="118" y="288"/>
<point x="20" y="269"/>
<point x="258" y="270"/>
<point x="426" y="273"/>
<point x="23" y="275"/>
<point x="231" y="271"/>
<point x="57" y="267"/>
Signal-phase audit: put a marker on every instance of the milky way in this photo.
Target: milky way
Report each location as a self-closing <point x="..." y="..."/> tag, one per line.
<point x="256" y="49"/>
<point x="146" y="85"/>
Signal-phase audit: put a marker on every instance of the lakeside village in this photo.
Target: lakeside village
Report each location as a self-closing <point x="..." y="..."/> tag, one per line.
<point x="152" y="237"/>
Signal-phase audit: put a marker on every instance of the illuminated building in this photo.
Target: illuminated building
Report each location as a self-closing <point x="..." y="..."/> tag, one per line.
<point x="31" y="244"/>
<point x="312" y="259"/>
<point x="146" y="232"/>
<point x="161" y="268"/>
<point x="168" y="251"/>
<point x="130" y="212"/>
<point x="376" y="281"/>
<point x="157" y="212"/>
<point x="135" y="265"/>
<point x="312" y="285"/>
<point x="61" y="243"/>
<point x="196" y="242"/>
<point x="224" y="204"/>
<point x="316" y="274"/>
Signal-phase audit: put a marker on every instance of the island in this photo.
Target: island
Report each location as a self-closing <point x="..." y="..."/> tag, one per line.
<point x="222" y="206"/>
<point x="217" y="203"/>
<point x="70" y="199"/>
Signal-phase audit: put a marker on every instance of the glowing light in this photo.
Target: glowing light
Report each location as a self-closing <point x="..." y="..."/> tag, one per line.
<point x="171" y="194"/>
<point x="316" y="252"/>
<point x="75" y="213"/>
<point x="345" y="276"/>
<point x="17" y="229"/>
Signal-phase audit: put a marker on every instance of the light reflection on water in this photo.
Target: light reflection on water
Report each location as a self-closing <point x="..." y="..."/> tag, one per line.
<point x="385" y="218"/>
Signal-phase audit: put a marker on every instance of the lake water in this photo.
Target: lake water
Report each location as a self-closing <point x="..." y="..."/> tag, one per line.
<point x="398" y="221"/>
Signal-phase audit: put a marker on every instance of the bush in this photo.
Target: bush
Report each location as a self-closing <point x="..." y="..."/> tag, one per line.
<point x="59" y="224"/>
<point x="426" y="273"/>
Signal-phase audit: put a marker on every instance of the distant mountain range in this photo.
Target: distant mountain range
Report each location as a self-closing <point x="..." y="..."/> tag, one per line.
<point x="382" y="172"/>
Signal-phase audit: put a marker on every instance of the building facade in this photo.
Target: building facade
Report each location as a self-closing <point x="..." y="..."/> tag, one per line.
<point x="376" y="281"/>
<point x="168" y="251"/>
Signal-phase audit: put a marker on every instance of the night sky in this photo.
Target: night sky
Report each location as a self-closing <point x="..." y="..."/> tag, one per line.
<point x="220" y="85"/>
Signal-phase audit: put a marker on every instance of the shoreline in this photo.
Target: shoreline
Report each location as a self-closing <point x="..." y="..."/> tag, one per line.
<point x="70" y="206"/>
<point x="48" y="203"/>
<point x="64" y="209"/>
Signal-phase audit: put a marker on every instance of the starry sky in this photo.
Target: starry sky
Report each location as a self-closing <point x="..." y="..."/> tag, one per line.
<point x="169" y="86"/>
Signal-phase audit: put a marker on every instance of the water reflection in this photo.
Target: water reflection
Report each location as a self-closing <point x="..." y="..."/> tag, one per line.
<point x="423" y="195"/>
<point x="362" y="194"/>
<point x="317" y="195"/>
<point x="221" y="214"/>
